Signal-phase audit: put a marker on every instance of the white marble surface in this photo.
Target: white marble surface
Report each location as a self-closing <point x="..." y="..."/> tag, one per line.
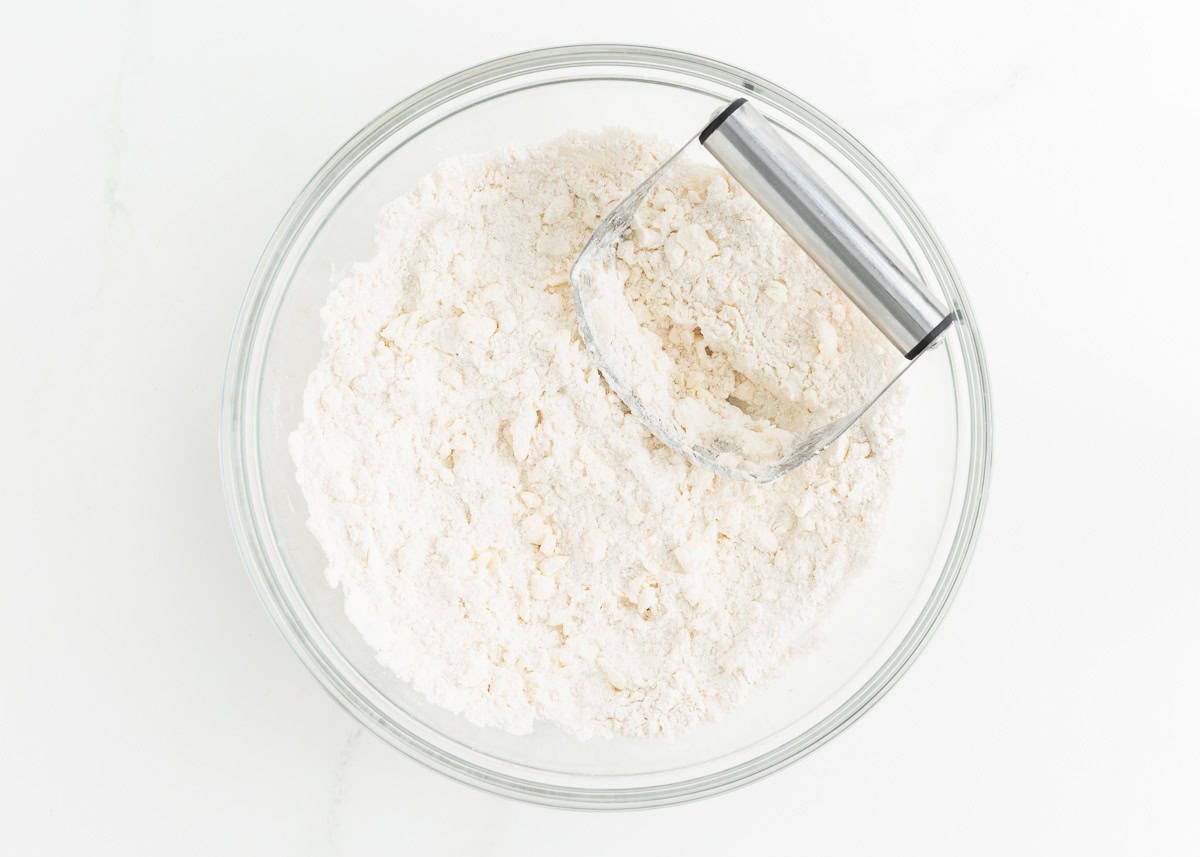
<point x="147" y="705"/>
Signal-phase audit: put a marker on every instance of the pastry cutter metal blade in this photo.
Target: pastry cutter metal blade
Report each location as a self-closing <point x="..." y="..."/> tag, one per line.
<point x="773" y="173"/>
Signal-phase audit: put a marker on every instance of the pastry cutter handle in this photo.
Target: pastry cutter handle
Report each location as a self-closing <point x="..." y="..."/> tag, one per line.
<point x="755" y="154"/>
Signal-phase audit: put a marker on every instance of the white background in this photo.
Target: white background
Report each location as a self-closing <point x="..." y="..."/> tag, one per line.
<point x="147" y="705"/>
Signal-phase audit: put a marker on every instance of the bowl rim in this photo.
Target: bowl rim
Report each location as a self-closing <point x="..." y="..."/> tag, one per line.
<point x="236" y="462"/>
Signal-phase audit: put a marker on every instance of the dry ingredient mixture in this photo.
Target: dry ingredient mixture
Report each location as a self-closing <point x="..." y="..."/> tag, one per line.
<point x="506" y="535"/>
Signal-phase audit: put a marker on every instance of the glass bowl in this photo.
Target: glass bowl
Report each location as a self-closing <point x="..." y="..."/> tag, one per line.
<point x="886" y="612"/>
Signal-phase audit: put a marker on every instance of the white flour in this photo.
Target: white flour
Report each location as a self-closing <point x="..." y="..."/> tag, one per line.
<point x="506" y="535"/>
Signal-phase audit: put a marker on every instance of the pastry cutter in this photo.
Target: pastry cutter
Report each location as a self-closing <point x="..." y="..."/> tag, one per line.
<point x="773" y="173"/>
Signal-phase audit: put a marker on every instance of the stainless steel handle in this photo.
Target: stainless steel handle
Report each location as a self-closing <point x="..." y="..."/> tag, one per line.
<point x="755" y="154"/>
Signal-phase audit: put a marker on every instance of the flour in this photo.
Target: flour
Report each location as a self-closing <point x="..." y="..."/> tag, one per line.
<point x="506" y="535"/>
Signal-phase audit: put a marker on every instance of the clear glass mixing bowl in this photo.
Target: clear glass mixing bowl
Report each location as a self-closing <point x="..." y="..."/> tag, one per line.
<point x="886" y="613"/>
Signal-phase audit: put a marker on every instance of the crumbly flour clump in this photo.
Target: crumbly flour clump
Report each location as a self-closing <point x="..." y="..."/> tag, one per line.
<point x="506" y="535"/>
